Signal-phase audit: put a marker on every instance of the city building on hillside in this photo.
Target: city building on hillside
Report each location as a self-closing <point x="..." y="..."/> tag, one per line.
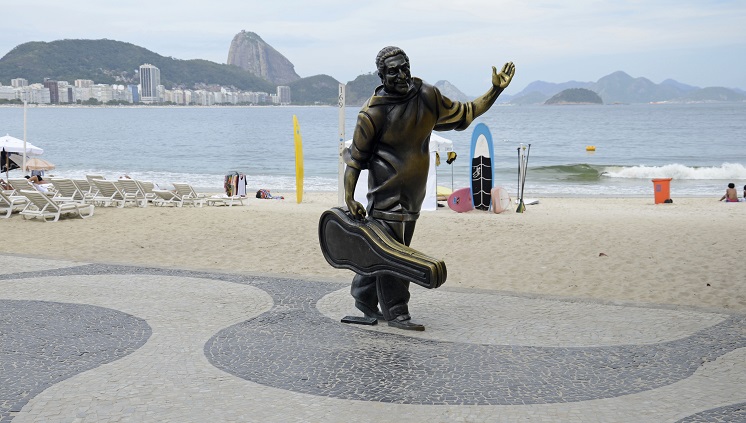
<point x="283" y="94"/>
<point x="149" y="91"/>
<point x="7" y="93"/>
<point x="18" y="82"/>
<point x="65" y="93"/>
<point x="134" y="93"/>
<point x="34" y="93"/>
<point x="54" y="94"/>
<point x="150" y="81"/>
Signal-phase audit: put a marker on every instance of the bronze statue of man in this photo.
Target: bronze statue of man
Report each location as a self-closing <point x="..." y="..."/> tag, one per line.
<point x="391" y="141"/>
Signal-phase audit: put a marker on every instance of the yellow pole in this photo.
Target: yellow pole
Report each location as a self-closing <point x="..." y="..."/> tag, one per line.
<point x="298" y="160"/>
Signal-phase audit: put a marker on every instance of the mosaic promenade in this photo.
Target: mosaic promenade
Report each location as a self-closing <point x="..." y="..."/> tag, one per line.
<point x="86" y="342"/>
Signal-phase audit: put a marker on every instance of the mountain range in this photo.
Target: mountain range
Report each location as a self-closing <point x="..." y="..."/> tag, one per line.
<point x="253" y="65"/>
<point x="619" y="87"/>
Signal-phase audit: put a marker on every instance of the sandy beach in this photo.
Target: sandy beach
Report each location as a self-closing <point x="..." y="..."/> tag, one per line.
<point x="689" y="253"/>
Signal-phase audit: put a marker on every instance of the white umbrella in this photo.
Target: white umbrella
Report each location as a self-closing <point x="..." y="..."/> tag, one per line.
<point x="14" y="145"/>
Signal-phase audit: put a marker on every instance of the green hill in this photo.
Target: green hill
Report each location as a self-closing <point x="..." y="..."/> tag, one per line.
<point x="115" y="62"/>
<point x="360" y="90"/>
<point x="575" y="96"/>
<point x="319" y="89"/>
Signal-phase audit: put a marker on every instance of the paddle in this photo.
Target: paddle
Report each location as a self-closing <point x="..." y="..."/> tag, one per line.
<point x="522" y="176"/>
<point x="518" y="188"/>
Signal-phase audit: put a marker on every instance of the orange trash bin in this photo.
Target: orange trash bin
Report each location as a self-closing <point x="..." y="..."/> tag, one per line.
<point x="662" y="190"/>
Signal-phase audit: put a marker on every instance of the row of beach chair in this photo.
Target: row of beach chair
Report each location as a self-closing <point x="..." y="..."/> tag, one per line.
<point x="82" y="195"/>
<point x="32" y="203"/>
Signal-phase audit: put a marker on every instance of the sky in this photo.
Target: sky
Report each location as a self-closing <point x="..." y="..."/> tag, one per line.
<point x="696" y="42"/>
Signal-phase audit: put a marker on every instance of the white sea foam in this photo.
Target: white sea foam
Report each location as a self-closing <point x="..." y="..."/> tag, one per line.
<point x="727" y="171"/>
<point x="204" y="181"/>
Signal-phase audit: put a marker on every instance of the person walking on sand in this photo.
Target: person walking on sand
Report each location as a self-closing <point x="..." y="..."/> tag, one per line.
<point x="731" y="195"/>
<point x="391" y="141"/>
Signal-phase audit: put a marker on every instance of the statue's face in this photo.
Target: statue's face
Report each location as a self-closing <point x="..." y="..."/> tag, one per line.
<point x="396" y="77"/>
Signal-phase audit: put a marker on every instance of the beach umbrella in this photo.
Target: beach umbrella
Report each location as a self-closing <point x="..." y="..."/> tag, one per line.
<point x="35" y="163"/>
<point x="6" y="164"/>
<point x="14" y="145"/>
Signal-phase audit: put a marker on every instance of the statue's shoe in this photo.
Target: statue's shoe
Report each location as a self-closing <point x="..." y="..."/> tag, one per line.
<point x="403" y="322"/>
<point x="369" y="312"/>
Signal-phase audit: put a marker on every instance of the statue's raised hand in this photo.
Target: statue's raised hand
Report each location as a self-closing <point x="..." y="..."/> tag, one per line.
<point x="502" y="79"/>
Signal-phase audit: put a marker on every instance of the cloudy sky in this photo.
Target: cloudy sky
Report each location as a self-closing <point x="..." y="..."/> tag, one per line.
<point x="697" y="42"/>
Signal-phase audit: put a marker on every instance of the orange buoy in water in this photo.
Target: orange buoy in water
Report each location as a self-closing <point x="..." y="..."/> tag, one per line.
<point x="590" y="148"/>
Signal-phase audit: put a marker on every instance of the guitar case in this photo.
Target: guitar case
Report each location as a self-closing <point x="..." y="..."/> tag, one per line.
<point x="367" y="248"/>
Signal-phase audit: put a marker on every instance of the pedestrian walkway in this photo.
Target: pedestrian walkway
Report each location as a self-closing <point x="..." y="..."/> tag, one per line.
<point x="84" y="342"/>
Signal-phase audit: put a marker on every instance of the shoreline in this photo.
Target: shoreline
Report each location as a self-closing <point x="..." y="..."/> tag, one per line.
<point x="601" y="249"/>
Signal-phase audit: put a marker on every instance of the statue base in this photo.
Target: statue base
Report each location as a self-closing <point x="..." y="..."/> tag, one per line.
<point x="360" y="320"/>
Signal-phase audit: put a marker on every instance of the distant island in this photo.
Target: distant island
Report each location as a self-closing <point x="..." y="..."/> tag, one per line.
<point x="575" y="96"/>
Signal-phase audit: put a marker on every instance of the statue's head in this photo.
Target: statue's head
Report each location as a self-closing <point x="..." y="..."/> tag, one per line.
<point x="393" y="69"/>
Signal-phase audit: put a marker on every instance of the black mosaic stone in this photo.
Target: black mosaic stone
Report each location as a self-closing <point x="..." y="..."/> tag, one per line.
<point x="42" y="343"/>
<point x="295" y="347"/>
<point x="735" y="413"/>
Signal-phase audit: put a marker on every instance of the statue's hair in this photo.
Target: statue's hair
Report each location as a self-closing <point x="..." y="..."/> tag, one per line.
<point x="386" y="53"/>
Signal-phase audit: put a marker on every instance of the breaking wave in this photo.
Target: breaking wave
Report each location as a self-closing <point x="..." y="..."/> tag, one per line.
<point x="727" y="171"/>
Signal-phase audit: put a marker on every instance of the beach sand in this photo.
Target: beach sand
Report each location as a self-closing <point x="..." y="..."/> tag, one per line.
<point x="689" y="253"/>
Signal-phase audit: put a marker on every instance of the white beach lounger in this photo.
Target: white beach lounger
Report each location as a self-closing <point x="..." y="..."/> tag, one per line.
<point x="166" y="197"/>
<point x="189" y="195"/>
<point x="42" y="206"/>
<point x="108" y="193"/>
<point x="224" y="200"/>
<point x="133" y="191"/>
<point x="67" y="191"/>
<point x="11" y="203"/>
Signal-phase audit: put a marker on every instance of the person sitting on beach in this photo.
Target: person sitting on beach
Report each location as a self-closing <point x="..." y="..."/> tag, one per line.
<point x="731" y="195"/>
<point x="39" y="183"/>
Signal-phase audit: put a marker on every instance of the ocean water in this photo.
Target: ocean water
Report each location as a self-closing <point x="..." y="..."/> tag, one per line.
<point x="701" y="146"/>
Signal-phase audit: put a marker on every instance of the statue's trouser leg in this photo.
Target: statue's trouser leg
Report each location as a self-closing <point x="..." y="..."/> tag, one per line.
<point x="363" y="290"/>
<point x="393" y="292"/>
<point x="393" y="296"/>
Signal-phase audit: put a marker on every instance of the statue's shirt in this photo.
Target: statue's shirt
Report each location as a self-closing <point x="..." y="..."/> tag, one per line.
<point x="392" y="138"/>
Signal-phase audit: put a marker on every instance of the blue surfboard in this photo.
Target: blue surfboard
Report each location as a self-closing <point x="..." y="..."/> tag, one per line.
<point x="481" y="167"/>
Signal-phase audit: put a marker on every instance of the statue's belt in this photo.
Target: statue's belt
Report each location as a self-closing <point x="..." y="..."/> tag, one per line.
<point x="367" y="248"/>
<point x="395" y="216"/>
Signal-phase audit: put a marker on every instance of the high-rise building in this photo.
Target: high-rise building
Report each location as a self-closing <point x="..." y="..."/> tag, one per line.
<point x="135" y="94"/>
<point x="18" y="82"/>
<point x="283" y="94"/>
<point x="54" y="94"/>
<point x="150" y="79"/>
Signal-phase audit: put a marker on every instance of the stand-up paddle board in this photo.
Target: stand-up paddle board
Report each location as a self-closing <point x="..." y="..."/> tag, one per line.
<point x="481" y="167"/>
<point x="460" y="200"/>
<point x="298" y="160"/>
<point x="500" y="200"/>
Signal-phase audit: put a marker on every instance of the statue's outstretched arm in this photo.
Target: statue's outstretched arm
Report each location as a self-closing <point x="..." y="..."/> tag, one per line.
<point x="500" y="81"/>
